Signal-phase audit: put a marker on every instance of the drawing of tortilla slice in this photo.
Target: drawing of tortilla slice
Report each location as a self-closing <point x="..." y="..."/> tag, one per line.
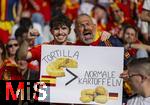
<point x="56" y="67"/>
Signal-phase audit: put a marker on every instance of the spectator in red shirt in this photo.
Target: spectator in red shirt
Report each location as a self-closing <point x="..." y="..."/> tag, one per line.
<point x="60" y="27"/>
<point x="130" y="36"/>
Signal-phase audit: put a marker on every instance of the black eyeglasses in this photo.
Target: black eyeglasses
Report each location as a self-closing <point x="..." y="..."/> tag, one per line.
<point x="11" y="45"/>
<point x="116" y="11"/>
<point x="132" y="75"/>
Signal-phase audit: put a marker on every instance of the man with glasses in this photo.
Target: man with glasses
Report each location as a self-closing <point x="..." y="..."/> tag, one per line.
<point x="139" y="78"/>
<point x="88" y="35"/>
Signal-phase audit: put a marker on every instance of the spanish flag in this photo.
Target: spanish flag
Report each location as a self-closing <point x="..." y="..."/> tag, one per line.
<point x="48" y="80"/>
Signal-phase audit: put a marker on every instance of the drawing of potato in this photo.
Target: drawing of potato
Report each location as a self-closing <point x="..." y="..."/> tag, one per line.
<point x="88" y="92"/>
<point x="101" y="99"/>
<point x="86" y="98"/>
<point x="99" y="95"/>
<point x="100" y="90"/>
<point x="56" y="67"/>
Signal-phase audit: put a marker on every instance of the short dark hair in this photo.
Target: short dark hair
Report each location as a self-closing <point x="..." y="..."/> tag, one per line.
<point x="60" y="20"/>
<point x="26" y="22"/>
<point x="140" y="65"/>
<point x="99" y="6"/>
<point x="132" y="27"/>
<point x="19" y="32"/>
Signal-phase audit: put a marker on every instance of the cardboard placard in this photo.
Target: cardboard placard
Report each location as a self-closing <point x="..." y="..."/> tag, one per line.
<point x="83" y="74"/>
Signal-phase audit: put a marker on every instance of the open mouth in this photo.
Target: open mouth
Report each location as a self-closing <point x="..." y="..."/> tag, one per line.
<point x="87" y="35"/>
<point x="61" y="36"/>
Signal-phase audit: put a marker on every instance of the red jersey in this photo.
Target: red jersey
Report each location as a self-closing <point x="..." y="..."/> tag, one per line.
<point x="9" y="71"/>
<point x="44" y="8"/>
<point x="133" y="51"/>
<point x="4" y="37"/>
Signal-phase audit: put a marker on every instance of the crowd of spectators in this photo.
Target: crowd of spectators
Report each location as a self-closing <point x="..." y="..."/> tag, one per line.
<point x="27" y="24"/>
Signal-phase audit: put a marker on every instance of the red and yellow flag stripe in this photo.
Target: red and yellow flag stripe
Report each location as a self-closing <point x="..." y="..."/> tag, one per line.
<point x="49" y="80"/>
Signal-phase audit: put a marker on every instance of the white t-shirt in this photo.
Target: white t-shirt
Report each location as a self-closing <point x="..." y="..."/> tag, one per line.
<point x="146" y="5"/>
<point x="146" y="25"/>
<point x="85" y="7"/>
<point x="139" y="100"/>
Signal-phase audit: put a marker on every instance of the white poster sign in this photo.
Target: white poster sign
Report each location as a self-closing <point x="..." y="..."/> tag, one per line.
<point x="83" y="74"/>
